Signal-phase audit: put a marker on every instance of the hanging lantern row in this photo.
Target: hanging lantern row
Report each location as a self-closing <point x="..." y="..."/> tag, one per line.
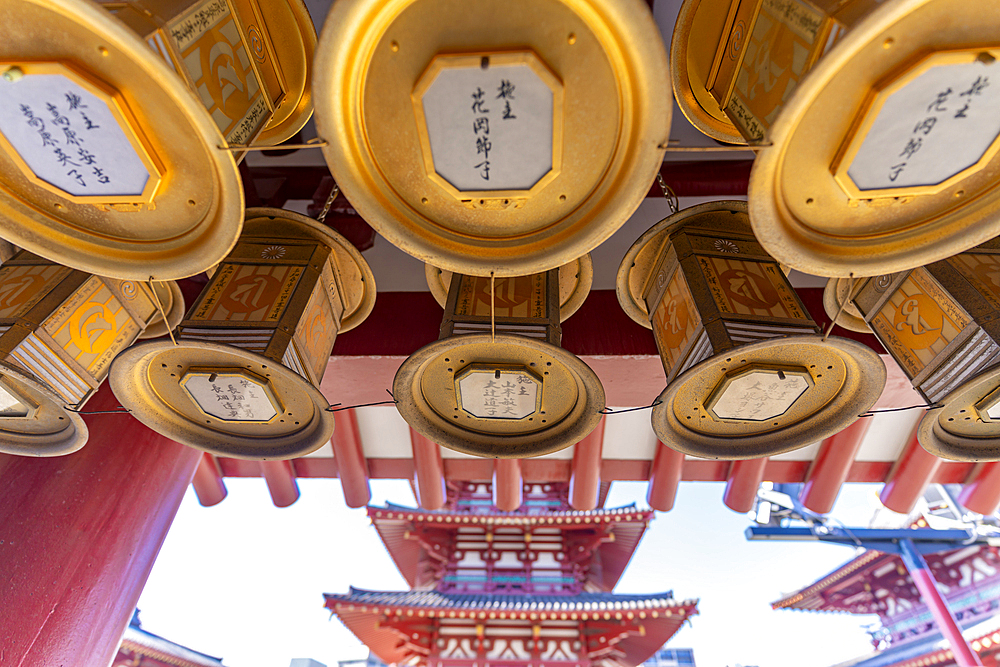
<point x="60" y="329"/>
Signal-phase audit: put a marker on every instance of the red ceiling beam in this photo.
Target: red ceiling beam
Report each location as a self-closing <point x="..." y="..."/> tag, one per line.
<point x="208" y="484"/>
<point x="508" y="487"/>
<point x="982" y="494"/>
<point x="351" y="464"/>
<point x="914" y="470"/>
<point x="429" y="472"/>
<point x="832" y="466"/>
<point x="280" y="478"/>
<point x="664" y="478"/>
<point x="742" y="484"/>
<point x="585" y="478"/>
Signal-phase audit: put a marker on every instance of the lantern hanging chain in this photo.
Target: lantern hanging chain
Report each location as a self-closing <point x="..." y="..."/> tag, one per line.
<point x="312" y="143"/>
<point x="612" y="411"/>
<point x="335" y="408"/>
<point x="159" y="305"/>
<point x="329" y="202"/>
<point x="673" y="201"/>
<point x="493" y="312"/>
<point x="843" y="305"/>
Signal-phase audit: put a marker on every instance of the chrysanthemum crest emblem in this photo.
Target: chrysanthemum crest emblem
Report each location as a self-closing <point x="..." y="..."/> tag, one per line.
<point x="273" y="252"/>
<point x="725" y="245"/>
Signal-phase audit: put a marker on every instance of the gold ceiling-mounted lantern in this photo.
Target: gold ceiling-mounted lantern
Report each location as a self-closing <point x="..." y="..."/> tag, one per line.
<point x="940" y="323"/>
<point x="748" y="373"/>
<point x="503" y="137"/>
<point x="241" y="380"/>
<point x="59" y="331"/>
<point x="116" y="121"/>
<point x="497" y="384"/>
<point x="875" y="123"/>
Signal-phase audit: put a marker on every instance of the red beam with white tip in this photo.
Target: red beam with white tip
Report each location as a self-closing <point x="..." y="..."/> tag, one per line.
<point x="912" y="473"/>
<point x="742" y="484"/>
<point x="982" y="494"/>
<point x="208" y="483"/>
<point x="508" y="486"/>
<point x="281" y="484"/>
<point x="352" y="468"/>
<point x="830" y="467"/>
<point x="585" y="478"/>
<point x="664" y="478"/>
<point x="429" y="471"/>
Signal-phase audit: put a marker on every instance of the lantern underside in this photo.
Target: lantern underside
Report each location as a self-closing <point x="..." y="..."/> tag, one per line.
<point x="962" y="426"/>
<point x="39" y="424"/>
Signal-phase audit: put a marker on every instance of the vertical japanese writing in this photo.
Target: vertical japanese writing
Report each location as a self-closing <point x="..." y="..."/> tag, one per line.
<point x="481" y="122"/>
<point x="68" y="150"/>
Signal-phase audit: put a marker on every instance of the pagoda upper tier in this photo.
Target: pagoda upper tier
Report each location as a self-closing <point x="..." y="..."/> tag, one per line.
<point x="543" y="548"/>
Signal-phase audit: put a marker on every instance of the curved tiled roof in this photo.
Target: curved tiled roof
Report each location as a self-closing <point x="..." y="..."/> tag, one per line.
<point x="137" y="640"/>
<point x="627" y="513"/>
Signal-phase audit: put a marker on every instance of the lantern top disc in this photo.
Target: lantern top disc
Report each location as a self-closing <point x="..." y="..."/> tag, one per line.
<point x="357" y="282"/>
<point x="575" y="280"/>
<point x="838" y="306"/>
<point x="34" y="421"/>
<point x="108" y="163"/>
<point x="768" y="397"/>
<point x="886" y="156"/>
<point x="481" y="138"/>
<point x="172" y="300"/>
<point x="965" y="426"/>
<point x="221" y="399"/>
<point x="514" y="397"/>
<point x="698" y="31"/>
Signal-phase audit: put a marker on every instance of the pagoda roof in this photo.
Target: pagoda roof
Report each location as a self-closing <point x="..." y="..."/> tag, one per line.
<point x="857" y="569"/>
<point x="659" y="615"/>
<point x="626" y="524"/>
<point x="932" y="649"/>
<point x="141" y="642"/>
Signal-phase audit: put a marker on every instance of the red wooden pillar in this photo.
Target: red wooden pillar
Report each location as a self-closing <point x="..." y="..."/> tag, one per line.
<point x="78" y="537"/>
<point x="352" y="468"/>
<point x="830" y="468"/>
<point x="982" y="494"/>
<point x="664" y="478"/>
<point x="208" y="483"/>
<point x="508" y="488"/>
<point x="281" y="484"/>
<point x="585" y="478"/>
<point x="912" y="473"/>
<point x="742" y="484"/>
<point x="429" y="472"/>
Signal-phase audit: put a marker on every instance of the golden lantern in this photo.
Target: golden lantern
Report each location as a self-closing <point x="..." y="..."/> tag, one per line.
<point x="874" y="119"/>
<point x="503" y="137"/>
<point x="242" y="378"/>
<point x="939" y="322"/>
<point x="115" y="122"/>
<point x="496" y="384"/>
<point x="748" y="373"/>
<point x="59" y="331"/>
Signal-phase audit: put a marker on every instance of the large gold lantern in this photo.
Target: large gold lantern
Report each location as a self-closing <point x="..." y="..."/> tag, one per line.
<point x="242" y="378"/>
<point x="503" y="137"/>
<point x="940" y="323"/>
<point x="115" y="120"/>
<point x="496" y="384"/>
<point x="875" y="121"/>
<point x="59" y="331"/>
<point x="748" y="374"/>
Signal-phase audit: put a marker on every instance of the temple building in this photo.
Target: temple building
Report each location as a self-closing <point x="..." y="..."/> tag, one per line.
<point x="141" y="648"/>
<point x="523" y="588"/>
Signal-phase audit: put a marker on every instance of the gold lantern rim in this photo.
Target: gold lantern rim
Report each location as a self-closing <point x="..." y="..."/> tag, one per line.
<point x="575" y="281"/>
<point x="424" y="393"/>
<point x="857" y="379"/>
<point x="688" y="72"/>
<point x="807" y="212"/>
<point x="955" y="429"/>
<point x="294" y="38"/>
<point x="172" y="299"/>
<point x="568" y="212"/>
<point x="642" y="256"/>
<point x="49" y="409"/>
<point x="356" y="278"/>
<point x="147" y="379"/>
<point x="838" y="307"/>
<point x="175" y="229"/>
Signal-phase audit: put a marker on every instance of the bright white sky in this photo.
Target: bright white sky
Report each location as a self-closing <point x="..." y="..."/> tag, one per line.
<point x="244" y="580"/>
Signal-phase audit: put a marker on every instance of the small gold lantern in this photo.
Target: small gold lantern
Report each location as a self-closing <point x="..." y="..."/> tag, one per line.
<point x="876" y="123"/>
<point x="242" y="379"/>
<point x="940" y="323"/>
<point x="59" y="331"/>
<point x="748" y="374"/>
<point x="503" y="137"/>
<point x="496" y="384"/>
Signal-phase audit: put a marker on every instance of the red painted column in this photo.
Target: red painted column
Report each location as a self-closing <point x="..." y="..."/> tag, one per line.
<point x="664" y="478"/>
<point x="78" y="537"/>
<point x="982" y="494"/>
<point x="741" y="486"/>
<point x="508" y="488"/>
<point x="208" y="483"/>
<point x="585" y="478"/>
<point x="831" y="466"/>
<point x="429" y="470"/>
<point x="280" y="478"/>
<point x="352" y="468"/>
<point x="912" y="473"/>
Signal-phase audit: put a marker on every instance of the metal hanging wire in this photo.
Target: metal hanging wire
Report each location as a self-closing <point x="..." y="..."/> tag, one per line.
<point x="329" y="202"/>
<point x="673" y="201"/>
